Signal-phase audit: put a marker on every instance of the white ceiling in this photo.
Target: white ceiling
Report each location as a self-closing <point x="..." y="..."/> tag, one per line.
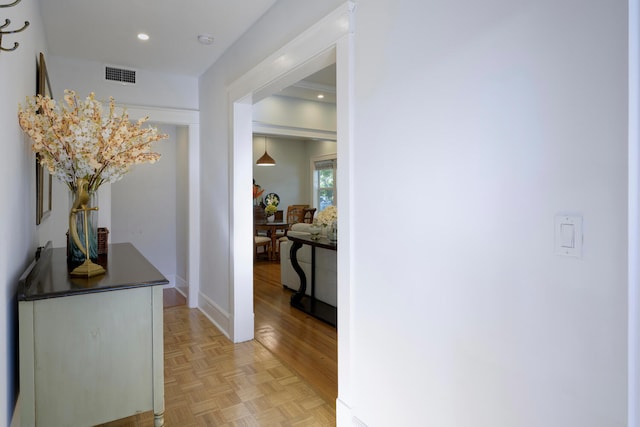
<point x="106" y="31"/>
<point x="323" y="82"/>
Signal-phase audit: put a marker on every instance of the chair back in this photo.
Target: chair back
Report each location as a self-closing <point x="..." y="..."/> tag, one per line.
<point x="295" y="213"/>
<point x="308" y="214"/>
<point x="258" y="213"/>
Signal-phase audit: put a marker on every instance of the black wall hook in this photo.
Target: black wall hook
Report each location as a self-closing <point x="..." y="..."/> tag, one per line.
<point x="7" y="22"/>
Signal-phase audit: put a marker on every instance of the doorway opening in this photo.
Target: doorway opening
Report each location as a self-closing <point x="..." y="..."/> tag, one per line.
<point x="187" y="156"/>
<point x="327" y="42"/>
<point x="302" y="146"/>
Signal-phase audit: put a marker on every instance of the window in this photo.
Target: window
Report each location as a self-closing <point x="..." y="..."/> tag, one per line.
<point x="324" y="182"/>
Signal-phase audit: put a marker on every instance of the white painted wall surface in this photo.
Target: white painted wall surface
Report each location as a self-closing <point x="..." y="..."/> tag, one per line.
<point x="289" y="177"/>
<point x="321" y="148"/>
<point x="489" y="123"/>
<point x="18" y="232"/>
<point x="143" y="206"/>
<point x="501" y="117"/>
<point x="281" y="111"/>
<point x="182" y="204"/>
<point x="152" y="89"/>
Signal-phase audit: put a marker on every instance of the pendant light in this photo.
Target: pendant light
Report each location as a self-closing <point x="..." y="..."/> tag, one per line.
<point x="266" y="159"/>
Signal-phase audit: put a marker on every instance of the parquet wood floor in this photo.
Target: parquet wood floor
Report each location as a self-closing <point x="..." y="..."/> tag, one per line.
<point x="209" y="381"/>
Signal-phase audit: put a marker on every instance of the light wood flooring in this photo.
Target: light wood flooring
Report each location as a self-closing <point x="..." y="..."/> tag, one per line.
<point x="287" y="376"/>
<point x="305" y="344"/>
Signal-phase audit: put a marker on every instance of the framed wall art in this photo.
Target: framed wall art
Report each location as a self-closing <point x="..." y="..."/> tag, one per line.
<point x="43" y="177"/>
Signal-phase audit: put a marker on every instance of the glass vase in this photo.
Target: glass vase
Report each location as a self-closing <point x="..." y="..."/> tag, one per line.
<point x="74" y="253"/>
<point x="332" y="234"/>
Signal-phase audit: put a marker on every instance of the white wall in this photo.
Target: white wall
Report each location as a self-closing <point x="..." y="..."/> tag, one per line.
<point x="18" y="238"/>
<point x="182" y="205"/>
<point x="151" y="88"/>
<point x="284" y="114"/>
<point x="502" y="117"/>
<point x="489" y="123"/>
<point x="321" y="148"/>
<point x="290" y="176"/>
<point x="144" y="206"/>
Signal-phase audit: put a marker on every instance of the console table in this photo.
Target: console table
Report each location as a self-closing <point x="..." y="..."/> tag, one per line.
<point x="299" y="300"/>
<point x="91" y="350"/>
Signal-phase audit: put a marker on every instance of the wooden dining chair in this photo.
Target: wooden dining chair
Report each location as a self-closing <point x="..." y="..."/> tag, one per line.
<point x="261" y="241"/>
<point x="295" y="214"/>
<point x="308" y="214"/>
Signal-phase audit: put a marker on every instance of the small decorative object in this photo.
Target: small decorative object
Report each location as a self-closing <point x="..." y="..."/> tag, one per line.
<point x="314" y="230"/>
<point x="83" y="149"/>
<point x="272" y="199"/>
<point x="103" y="241"/>
<point x="257" y="194"/>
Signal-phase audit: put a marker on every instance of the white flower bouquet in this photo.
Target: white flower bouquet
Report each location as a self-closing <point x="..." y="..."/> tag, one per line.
<point x="327" y="216"/>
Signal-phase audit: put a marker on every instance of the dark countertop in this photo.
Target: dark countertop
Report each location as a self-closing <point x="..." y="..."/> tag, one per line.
<point x="48" y="277"/>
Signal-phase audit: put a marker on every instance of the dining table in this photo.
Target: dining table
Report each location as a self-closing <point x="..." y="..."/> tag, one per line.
<point x="271" y="228"/>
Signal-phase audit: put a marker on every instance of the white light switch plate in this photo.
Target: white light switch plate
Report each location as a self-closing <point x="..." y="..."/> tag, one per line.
<point x="568" y="235"/>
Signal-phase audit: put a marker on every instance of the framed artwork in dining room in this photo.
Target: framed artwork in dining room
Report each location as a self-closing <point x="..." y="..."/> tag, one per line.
<point x="44" y="180"/>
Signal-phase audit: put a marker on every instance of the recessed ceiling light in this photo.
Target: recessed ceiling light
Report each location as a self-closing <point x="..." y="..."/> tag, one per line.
<point x="205" y="38"/>
<point x="320" y="96"/>
<point x="143" y="36"/>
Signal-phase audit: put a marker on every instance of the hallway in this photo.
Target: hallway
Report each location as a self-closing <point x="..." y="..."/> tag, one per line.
<point x="286" y="376"/>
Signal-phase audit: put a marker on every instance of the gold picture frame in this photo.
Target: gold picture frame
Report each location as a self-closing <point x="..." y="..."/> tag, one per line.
<point x="44" y="180"/>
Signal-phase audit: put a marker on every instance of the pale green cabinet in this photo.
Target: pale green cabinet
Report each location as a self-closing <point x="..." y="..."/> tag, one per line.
<point x="91" y="351"/>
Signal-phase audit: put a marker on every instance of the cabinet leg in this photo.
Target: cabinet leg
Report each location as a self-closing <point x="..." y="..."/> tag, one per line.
<point x="158" y="419"/>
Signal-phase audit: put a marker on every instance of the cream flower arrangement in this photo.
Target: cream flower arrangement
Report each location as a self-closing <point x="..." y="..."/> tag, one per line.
<point x="326" y="217"/>
<point x="270" y="210"/>
<point x="74" y="139"/>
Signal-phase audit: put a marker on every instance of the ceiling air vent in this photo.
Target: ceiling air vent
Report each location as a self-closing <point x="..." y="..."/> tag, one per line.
<point x="120" y="75"/>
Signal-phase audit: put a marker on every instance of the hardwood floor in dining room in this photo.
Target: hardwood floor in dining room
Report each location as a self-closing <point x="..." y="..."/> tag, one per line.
<point x="286" y="376"/>
<point x="304" y="343"/>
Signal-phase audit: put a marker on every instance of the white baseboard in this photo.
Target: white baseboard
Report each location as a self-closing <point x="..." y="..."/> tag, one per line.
<point x="345" y="417"/>
<point x="182" y="286"/>
<point x="216" y="315"/>
<point x="172" y="281"/>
